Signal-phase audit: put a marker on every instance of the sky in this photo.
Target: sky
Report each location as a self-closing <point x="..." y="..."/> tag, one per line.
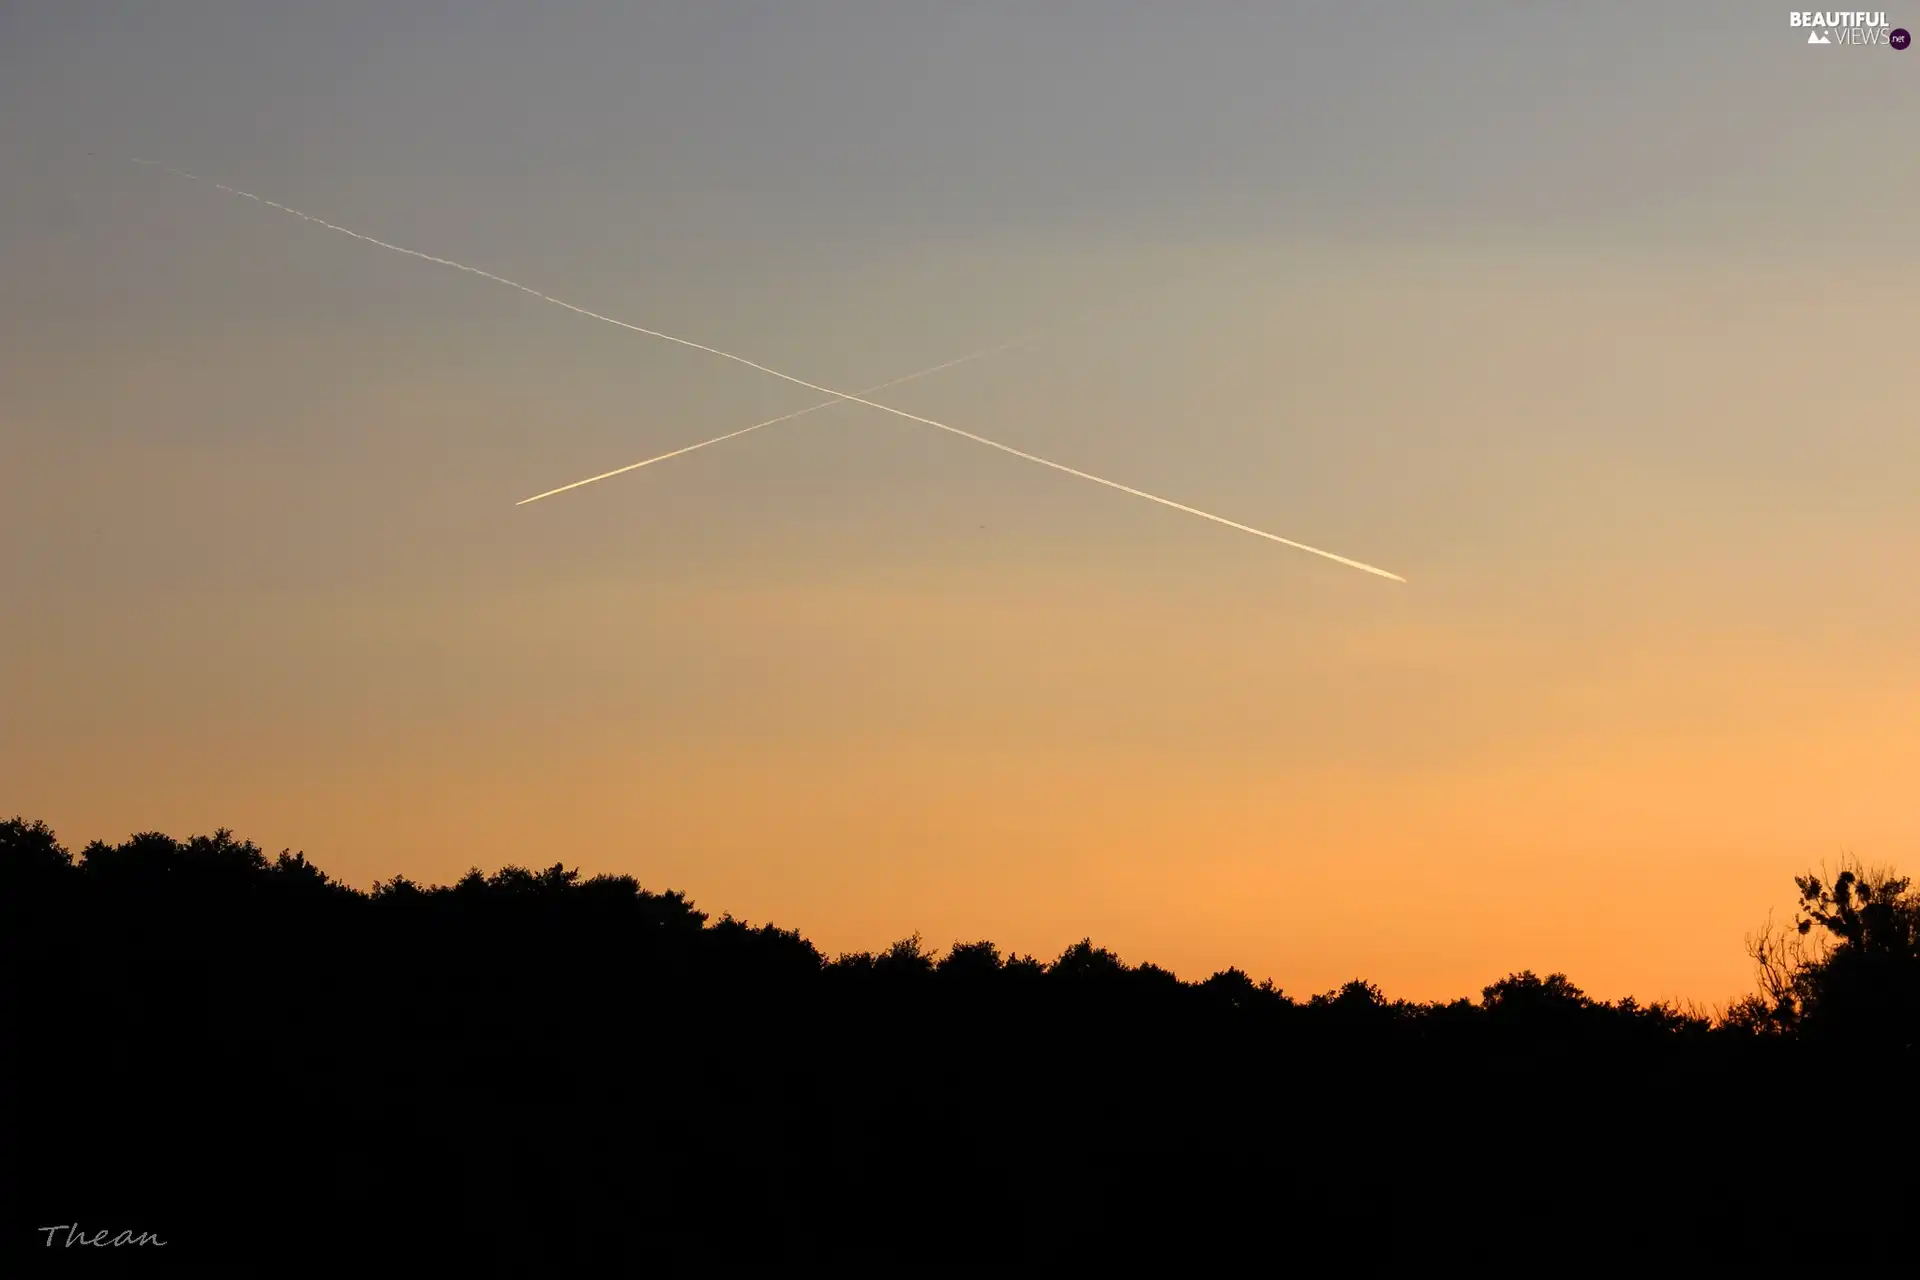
<point x="1597" y="326"/>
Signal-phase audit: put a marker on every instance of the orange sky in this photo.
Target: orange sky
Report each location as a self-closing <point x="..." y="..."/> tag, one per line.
<point x="1033" y="756"/>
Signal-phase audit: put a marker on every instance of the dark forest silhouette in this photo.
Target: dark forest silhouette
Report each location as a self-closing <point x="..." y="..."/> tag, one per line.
<point x="533" y="1070"/>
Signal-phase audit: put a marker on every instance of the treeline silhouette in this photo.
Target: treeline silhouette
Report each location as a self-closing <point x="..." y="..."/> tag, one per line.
<point x="529" y="1071"/>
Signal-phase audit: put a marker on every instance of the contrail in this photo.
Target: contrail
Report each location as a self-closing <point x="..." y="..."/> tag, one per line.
<point x="785" y="417"/>
<point x="785" y="377"/>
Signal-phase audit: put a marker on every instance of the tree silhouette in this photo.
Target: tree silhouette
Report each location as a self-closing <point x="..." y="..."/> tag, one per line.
<point x="31" y="849"/>
<point x="970" y="960"/>
<point x="566" y="1073"/>
<point x="1859" y="979"/>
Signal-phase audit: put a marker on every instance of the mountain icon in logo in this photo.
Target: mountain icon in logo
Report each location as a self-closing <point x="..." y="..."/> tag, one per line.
<point x="1817" y="38"/>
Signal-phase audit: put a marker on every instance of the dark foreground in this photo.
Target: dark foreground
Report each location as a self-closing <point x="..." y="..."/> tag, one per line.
<point x="535" y="1074"/>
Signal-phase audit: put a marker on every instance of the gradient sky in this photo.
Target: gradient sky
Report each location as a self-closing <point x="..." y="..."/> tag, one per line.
<point x="1599" y="327"/>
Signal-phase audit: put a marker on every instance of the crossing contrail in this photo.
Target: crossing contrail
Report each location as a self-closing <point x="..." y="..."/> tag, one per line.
<point x="838" y="396"/>
<point x="785" y="417"/>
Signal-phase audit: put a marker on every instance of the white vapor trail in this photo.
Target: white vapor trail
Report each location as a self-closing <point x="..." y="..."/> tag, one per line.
<point x="838" y="396"/>
<point x="785" y="417"/>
